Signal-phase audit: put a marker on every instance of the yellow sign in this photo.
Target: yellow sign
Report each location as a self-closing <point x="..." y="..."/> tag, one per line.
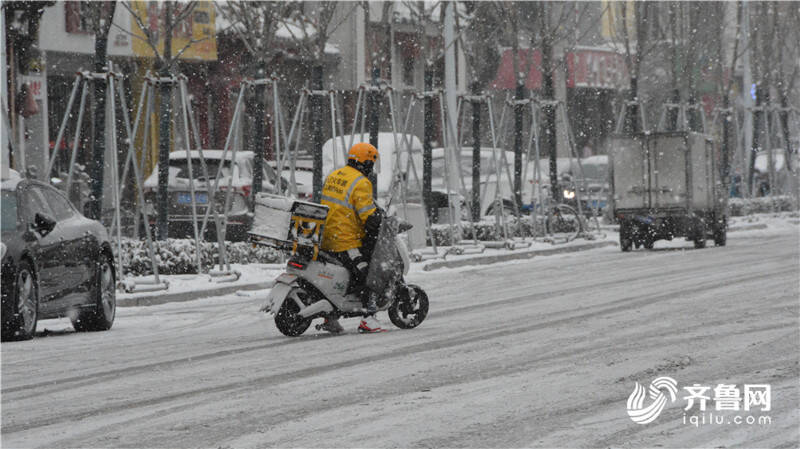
<point x="197" y="29"/>
<point x="612" y="18"/>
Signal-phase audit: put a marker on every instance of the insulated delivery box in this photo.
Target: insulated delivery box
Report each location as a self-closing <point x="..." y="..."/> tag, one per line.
<point x="288" y="224"/>
<point x="665" y="185"/>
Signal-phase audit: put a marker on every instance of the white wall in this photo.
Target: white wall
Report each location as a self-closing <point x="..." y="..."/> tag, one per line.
<point x="53" y="34"/>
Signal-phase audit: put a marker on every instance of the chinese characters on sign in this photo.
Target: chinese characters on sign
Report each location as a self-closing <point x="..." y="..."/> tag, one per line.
<point x="729" y="397"/>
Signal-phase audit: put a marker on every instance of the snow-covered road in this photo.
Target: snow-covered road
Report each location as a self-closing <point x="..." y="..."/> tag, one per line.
<point x="542" y="352"/>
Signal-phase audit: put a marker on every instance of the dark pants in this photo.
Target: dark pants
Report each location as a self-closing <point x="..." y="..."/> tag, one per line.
<point x="357" y="264"/>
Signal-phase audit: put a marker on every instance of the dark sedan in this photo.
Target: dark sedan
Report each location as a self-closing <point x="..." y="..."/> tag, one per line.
<point x="55" y="262"/>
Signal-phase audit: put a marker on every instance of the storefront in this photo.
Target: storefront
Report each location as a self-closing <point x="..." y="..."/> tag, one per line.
<point x="595" y="76"/>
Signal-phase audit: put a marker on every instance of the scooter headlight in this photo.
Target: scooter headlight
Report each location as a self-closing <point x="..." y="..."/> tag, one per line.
<point x="569" y="194"/>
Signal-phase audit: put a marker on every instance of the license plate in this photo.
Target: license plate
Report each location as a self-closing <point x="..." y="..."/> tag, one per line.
<point x="186" y="198"/>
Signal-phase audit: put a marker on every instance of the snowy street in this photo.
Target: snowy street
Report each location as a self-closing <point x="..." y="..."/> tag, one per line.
<point x="542" y="352"/>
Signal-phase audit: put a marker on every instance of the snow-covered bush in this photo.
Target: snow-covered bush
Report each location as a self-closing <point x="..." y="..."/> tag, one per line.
<point x="177" y="256"/>
<point x="746" y="206"/>
<point x="487" y="230"/>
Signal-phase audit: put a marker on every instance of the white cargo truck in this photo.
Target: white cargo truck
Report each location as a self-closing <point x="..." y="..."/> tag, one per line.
<point x="666" y="185"/>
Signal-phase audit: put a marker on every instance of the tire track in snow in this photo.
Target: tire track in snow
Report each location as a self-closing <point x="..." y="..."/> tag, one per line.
<point x="284" y="377"/>
<point x="45" y="387"/>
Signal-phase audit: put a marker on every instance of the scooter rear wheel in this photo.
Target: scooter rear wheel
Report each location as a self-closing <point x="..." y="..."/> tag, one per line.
<point x="288" y="319"/>
<point x="409" y="308"/>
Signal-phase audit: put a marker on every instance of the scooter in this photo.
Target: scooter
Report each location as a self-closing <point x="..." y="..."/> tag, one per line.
<point x="320" y="288"/>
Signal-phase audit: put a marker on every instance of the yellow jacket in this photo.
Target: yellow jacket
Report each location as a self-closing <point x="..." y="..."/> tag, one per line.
<point x="348" y="195"/>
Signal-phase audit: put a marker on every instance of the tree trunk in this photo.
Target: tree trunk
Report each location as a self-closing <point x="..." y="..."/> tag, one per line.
<point x="549" y="135"/>
<point x="164" y="133"/>
<point x="316" y="126"/>
<point x="476" y="155"/>
<point x="427" y="148"/>
<point x="519" y="111"/>
<point x="374" y="115"/>
<point x="762" y="99"/>
<point x="99" y="139"/>
<point x="260" y="131"/>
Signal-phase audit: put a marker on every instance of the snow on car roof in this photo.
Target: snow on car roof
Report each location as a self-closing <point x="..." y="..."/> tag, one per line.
<point x="598" y="159"/>
<point x="10" y="184"/>
<point x="438" y="152"/>
<point x="211" y="154"/>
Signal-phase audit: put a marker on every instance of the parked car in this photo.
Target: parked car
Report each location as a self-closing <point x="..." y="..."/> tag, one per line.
<point x="489" y="180"/>
<point x="303" y="178"/>
<point x="239" y="217"/>
<point x="55" y="262"/>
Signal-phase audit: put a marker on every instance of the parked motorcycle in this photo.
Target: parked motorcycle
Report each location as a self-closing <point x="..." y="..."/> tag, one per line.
<point x="320" y="288"/>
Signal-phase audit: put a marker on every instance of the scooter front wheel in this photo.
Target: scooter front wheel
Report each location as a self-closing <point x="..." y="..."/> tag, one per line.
<point x="409" y="308"/>
<point x="288" y="319"/>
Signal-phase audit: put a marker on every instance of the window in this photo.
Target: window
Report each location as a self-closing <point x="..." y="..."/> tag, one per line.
<point x="77" y="16"/>
<point x="9" y="206"/>
<point x="408" y="71"/>
<point x="59" y="204"/>
<point x="32" y="203"/>
<point x="182" y="168"/>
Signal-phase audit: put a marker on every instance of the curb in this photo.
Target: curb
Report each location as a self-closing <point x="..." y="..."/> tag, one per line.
<point x="162" y="298"/>
<point x="751" y="227"/>
<point x="486" y="260"/>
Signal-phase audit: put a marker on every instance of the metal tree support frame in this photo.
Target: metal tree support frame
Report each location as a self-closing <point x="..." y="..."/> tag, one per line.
<point x="402" y="182"/>
<point x="450" y="138"/>
<point x="146" y="103"/>
<point x="683" y="121"/>
<point x="772" y="119"/>
<point x="624" y="110"/>
<point x="113" y="89"/>
<point x="500" y="164"/>
<point x="574" y="154"/>
<point x="538" y="198"/>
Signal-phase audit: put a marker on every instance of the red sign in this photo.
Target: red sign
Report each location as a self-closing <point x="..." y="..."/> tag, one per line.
<point x="598" y="69"/>
<point x="601" y="69"/>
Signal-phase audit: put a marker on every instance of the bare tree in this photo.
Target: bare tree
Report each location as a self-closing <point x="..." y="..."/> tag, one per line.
<point x="101" y="17"/>
<point x="552" y="27"/>
<point x="170" y="16"/>
<point x="310" y="27"/>
<point x="635" y="53"/>
<point x="256" y="24"/>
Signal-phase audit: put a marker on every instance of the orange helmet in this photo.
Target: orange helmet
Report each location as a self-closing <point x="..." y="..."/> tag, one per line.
<point x="363" y="152"/>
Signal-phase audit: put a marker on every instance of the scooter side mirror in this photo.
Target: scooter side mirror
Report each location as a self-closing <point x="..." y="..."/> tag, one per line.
<point x="43" y="223"/>
<point x="403" y="226"/>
